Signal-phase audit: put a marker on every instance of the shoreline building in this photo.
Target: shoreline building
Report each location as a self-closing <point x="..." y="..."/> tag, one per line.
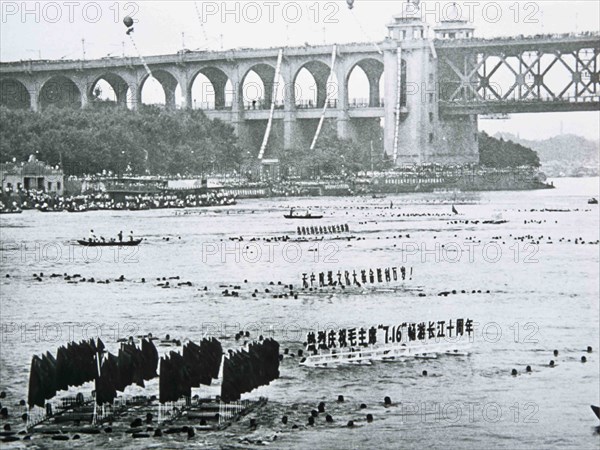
<point x="31" y="175"/>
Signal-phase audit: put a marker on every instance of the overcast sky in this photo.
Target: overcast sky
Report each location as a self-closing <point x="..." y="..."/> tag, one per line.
<point x="55" y="30"/>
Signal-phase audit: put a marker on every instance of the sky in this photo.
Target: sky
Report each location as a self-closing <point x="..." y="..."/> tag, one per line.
<point x="55" y="30"/>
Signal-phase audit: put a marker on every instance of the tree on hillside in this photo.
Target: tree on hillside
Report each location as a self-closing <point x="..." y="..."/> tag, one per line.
<point x="498" y="153"/>
<point x="99" y="138"/>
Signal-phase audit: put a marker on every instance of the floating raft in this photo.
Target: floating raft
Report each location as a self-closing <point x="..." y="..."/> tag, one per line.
<point x="141" y="416"/>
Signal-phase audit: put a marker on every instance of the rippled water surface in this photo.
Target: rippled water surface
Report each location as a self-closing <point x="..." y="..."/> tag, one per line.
<point x="542" y="297"/>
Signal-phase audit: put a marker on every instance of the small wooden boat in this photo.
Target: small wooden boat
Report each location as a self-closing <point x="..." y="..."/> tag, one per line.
<point x="593" y="201"/>
<point x="307" y="216"/>
<point x="133" y="243"/>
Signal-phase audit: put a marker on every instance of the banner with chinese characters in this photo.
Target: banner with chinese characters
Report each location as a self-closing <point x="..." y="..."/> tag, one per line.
<point x="404" y="333"/>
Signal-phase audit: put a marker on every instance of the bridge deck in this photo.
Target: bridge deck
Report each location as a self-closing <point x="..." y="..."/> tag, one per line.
<point x="588" y="103"/>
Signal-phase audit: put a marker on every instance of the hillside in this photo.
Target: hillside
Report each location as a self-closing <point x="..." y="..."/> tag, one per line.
<point x="564" y="155"/>
<point x="500" y="153"/>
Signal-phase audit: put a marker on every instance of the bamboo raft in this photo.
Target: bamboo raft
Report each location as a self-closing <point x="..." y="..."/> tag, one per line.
<point x="139" y="416"/>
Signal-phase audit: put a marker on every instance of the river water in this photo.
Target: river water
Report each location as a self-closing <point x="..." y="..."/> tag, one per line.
<point x="543" y="296"/>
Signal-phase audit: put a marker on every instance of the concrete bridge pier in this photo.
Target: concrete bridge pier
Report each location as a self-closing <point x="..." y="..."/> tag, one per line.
<point x="390" y="79"/>
<point x="290" y="131"/>
<point x="34" y="98"/>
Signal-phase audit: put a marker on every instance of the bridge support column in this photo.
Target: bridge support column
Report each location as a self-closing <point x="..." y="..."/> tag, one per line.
<point x="343" y="127"/>
<point x="121" y="93"/>
<point x="186" y="90"/>
<point x="457" y="140"/>
<point x="290" y="131"/>
<point x="290" y="124"/>
<point x="342" y="120"/>
<point x="170" y="97"/>
<point x="34" y="97"/>
<point x="82" y="85"/>
<point x="220" y="98"/>
<point x="136" y="96"/>
<point x="390" y="62"/>
<point x="374" y="100"/>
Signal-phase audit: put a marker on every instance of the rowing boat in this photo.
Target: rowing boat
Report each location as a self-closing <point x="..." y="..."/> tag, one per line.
<point x="133" y="243"/>
<point x="308" y="216"/>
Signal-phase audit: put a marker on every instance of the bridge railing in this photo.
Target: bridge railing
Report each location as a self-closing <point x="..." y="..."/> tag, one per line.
<point x="310" y="104"/>
<point x="261" y="104"/>
<point x="365" y="103"/>
<point x="210" y="106"/>
<point x="520" y="37"/>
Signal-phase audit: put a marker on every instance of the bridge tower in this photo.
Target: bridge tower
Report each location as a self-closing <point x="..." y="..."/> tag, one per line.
<point x="406" y="66"/>
<point x="415" y="133"/>
<point x="455" y="139"/>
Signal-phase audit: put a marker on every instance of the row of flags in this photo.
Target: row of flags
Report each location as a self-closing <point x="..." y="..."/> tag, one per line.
<point x="245" y="370"/>
<point x="73" y="366"/>
<point x="197" y="365"/>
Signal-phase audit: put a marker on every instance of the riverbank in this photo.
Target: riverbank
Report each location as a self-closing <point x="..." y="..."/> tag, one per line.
<point x="144" y="193"/>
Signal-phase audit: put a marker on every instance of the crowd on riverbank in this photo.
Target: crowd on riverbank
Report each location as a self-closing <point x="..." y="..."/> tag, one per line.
<point x="14" y="202"/>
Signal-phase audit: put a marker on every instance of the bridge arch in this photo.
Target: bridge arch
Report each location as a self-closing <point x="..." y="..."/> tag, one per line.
<point x="14" y="94"/>
<point x="109" y="87"/>
<point x="61" y="92"/>
<point x="256" y="87"/>
<point x="364" y="83"/>
<point x="210" y="88"/>
<point x="311" y="86"/>
<point x="161" y="79"/>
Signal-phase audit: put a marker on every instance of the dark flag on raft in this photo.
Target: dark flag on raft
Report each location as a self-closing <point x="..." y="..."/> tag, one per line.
<point x="133" y="365"/>
<point x="74" y="365"/>
<point x="203" y="361"/>
<point x="41" y="380"/>
<point x="175" y="378"/>
<point x="198" y="365"/>
<point x="244" y="371"/>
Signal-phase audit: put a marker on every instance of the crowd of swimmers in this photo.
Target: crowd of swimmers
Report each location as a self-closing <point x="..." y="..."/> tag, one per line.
<point x="536" y="240"/>
<point x="477" y="222"/>
<point x="327" y="229"/>
<point x="552" y="363"/>
<point x="371" y="276"/>
<point x="164" y="282"/>
<point x="320" y="412"/>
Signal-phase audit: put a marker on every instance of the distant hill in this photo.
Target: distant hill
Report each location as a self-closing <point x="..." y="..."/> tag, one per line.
<point x="563" y="155"/>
